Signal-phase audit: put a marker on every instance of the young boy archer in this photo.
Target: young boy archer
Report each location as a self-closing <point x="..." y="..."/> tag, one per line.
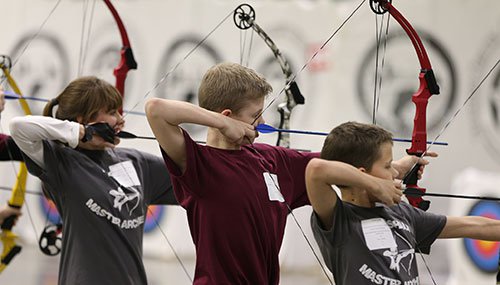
<point x="370" y="236"/>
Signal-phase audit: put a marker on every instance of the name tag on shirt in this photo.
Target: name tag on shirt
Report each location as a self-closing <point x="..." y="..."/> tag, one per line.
<point x="377" y="234"/>
<point x="273" y="187"/>
<point x="124" y="173"/>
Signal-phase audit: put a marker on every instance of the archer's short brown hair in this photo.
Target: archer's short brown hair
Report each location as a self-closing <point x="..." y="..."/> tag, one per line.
<point x="355" y="143"/>
<point x="231" y="86"/>
<point x="84" y="97"/>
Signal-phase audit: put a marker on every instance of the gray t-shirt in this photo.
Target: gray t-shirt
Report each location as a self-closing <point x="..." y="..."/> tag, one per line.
<point x="102" y="197"/>
<point x="356" y="249"/>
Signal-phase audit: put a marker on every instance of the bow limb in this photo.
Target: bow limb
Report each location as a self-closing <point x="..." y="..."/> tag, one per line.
<point x="127" y="60"/>
<point x="428" y="87"/>
<point x="8" y="238"/>
<point x="245" y="20"/>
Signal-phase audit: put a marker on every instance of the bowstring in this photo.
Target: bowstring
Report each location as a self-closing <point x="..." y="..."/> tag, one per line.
<point x="85" y="35"/>
<point x="244" y="35"/>
<point x="171" y="246"/>
<point x="377" y="87"/>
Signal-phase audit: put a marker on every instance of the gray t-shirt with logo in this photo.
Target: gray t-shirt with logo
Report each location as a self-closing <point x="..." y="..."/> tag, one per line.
<point x="376" y="245"/>
<point x="102" y="197"/>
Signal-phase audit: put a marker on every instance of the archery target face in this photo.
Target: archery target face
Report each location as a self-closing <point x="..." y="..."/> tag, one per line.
<point x="484" y="254"/>
<point x="153" y="217"/>
<point x="49" y="211"/>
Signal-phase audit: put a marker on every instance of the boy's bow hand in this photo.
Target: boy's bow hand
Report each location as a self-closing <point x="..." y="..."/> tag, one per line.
<point x="405" y="164"/>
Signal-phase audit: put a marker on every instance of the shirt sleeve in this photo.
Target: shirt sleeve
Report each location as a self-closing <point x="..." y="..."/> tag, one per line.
<point x="29" y="132"/>
<point x="427" y="225"/>
<point x="189" y="179"/>
<point x="298" y="162"/>
<point x="333" y="236"/>
<point x="159" y="188"/>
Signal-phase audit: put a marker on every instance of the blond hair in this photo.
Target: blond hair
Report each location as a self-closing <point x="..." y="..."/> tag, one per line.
<point x="231" y="86"/>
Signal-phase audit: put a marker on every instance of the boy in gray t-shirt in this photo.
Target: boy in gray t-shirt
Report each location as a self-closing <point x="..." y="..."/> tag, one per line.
<point x="370" y="236"/>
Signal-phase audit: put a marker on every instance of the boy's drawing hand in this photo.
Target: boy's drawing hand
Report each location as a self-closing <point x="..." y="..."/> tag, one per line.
<point x="388" y="192"/>
<point x="238" y="132"/>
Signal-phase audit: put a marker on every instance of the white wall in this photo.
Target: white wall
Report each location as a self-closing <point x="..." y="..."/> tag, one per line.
<point x="162" y="32"/>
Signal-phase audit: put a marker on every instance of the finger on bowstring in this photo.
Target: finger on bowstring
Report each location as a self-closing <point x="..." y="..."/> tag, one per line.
<point x="398" y="183"/>
<point x="251" y="133"/>
<point x="431" y="154"/>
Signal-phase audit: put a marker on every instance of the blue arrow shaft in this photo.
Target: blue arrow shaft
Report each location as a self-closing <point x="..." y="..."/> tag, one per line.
<point x="12" y="95"/>
<point x="325" y="134"/>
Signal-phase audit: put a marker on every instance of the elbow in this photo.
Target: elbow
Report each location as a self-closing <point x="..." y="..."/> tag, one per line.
<point x="313" y="172"/>
<point x="314" y="168"/>
<point x="153" y="107"/>
<point x="16" y="125"/>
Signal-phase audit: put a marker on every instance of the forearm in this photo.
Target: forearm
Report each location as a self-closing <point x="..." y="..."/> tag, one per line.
<point x="29" y="132"/>
<point x="341" y="174"/>
<point x="175" y="113"/>
<point x="474" y="227"/>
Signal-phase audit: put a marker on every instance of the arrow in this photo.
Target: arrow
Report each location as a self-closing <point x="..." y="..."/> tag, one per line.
<point x="415" y="193"/>
<point x="266" y="129"/>
<point x="127" y="135"/>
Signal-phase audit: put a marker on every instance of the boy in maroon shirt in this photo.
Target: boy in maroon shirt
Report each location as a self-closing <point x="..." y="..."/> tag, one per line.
<point x="236" y="192"/>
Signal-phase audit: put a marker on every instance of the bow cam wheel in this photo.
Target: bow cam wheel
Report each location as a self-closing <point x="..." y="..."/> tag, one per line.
<point x="50" y="241"/>
<point x="244" y="16"/>
<point x="378" y="6"/>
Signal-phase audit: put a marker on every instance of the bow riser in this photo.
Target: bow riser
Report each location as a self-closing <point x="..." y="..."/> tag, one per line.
<point x="419" y="135"/>
<point x="127" y="62"/>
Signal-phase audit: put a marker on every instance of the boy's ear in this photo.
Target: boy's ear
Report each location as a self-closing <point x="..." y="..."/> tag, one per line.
<point x="362" y="169"/>
<point x="79" y="119"/>
<point x="226" y="112"/>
